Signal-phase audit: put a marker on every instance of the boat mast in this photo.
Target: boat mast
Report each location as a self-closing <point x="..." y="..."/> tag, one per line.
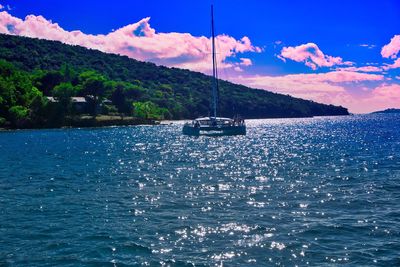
<point x="214" y="60"/>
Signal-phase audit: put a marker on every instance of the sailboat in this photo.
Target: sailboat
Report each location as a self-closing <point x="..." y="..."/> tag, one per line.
<point x="214" y="125"/>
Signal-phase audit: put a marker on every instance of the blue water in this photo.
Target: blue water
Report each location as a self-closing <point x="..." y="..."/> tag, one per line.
<point x="319" y="191"/>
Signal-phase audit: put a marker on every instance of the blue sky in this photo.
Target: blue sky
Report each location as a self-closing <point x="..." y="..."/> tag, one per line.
<point x="287" y="38"/>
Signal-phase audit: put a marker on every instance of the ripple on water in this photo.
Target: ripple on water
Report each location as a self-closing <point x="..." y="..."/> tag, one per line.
<point x="315" y="191"/>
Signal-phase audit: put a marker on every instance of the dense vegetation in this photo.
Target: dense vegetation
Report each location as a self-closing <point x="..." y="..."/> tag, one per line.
<point x="31" y="69"/>
<point x="24" y="101"/>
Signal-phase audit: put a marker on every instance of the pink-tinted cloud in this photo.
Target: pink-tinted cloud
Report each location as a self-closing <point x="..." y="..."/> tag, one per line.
<point x="312" y="56"/>
<point x="137" y="40"/>
<point x="388" y="92"/>
<point x="391" y="49"/>
<point x="330" y="88"/>
<point x="319" y="82"/>
<point x="238" y="69"/>
<point x="382" y="97"/>
<point x="335" y="77"/>
<point x="1" y="7"/>
<point x="362" y="69"/>
<point x="245" y="61"/>
<point x="395" y="65"/>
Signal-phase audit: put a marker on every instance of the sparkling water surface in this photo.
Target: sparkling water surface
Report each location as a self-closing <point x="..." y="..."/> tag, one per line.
<point x="316" y="191"/>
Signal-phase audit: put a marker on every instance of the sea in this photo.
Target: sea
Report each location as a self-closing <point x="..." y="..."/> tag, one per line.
<point x="321" y="191"/>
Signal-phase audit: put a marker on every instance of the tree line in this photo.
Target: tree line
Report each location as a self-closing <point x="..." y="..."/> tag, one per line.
<point x="25" y="97"/>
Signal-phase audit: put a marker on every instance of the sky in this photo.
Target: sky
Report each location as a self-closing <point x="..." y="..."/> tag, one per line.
<point x="335" y="52"/>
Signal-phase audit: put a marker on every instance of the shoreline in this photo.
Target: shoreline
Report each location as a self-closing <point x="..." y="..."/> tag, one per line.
<point x="101" y="122"/>
<point x="90" y="122"/>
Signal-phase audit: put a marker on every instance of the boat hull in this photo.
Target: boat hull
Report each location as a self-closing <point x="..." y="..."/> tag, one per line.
<point x="214" y="130"/>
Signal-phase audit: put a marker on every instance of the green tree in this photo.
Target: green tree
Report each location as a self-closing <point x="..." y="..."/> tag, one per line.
<point x="148" y="110"/>
<point x="19" y="116"/>
<point x="63" y="93"/>
<point x="47" y="80"/>
<point x="118" y="98"/>
<point x="2" y="121"/>
<point x="16" y="91"/>
<point x="123" y="94"/>
<point x="8" y="97"/>
<point x="38" y="107"/>
<point x="69" y="74"/>
<point x="94" y="85"/>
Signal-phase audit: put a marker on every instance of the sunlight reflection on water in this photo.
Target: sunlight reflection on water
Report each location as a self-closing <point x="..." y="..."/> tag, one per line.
<point x="312" y="191"/>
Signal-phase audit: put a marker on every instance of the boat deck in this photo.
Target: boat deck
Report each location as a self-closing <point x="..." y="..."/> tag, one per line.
<point x="215" y="126"/>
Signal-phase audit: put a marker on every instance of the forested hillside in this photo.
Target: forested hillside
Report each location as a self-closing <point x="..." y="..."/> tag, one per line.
<point x="33" y="68"/>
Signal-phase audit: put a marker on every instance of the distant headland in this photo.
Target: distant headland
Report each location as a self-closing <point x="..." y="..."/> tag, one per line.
<point x="387" y="111"/>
